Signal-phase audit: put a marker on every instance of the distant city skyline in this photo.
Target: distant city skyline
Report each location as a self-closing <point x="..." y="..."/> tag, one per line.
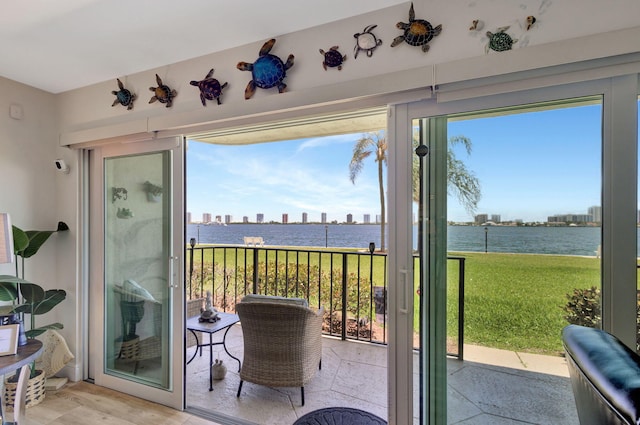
<point x="530" y="166"/>
<point x="285" y="218"/>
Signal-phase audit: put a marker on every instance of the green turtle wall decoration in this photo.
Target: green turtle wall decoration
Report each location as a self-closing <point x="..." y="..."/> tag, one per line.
<point x="417" y="32"/>
<point x="123" y="96"/>
<point x="499" y="41"/>
<point x="162" y="93"/>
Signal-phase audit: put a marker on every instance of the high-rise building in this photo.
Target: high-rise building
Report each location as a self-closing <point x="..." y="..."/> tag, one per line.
<point x="596" y="213"/>
<point x="228" y="218"/>
<point x="285" y="218"/>
<point x="349" y="218"/>
<point x="366" y="219"/>
<point x="189" y="218"/>
<point x="245" y="219"/>
<point x="481" y="218"/>
<point x="378" y="218"/>
<point x="259" y="218"/>
<point x="496" y="218"/>
<point x="305" y="218"/>
<point x="206" y="217"/>
<point x="323" y="218"/>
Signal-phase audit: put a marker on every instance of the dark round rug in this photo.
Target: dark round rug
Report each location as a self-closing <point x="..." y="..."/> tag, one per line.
<point x="339" y="416"/>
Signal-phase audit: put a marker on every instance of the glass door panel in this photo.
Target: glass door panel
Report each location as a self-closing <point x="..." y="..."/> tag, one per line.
<point x="139" y="339"/>
<point x="137" y="252"/>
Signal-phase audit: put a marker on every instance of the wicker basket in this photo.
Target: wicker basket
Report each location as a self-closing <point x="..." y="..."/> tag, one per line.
<point x="130" y="350"/>
<point x="35" y="391"/>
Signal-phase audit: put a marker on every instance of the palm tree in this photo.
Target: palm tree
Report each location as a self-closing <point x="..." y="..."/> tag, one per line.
<point x="369" y="144"/>
<point x="460" y="180"/>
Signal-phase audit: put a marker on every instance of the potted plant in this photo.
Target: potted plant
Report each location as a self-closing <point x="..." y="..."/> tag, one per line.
<point x="30" y="299"/>
<point x="153" y="191"/>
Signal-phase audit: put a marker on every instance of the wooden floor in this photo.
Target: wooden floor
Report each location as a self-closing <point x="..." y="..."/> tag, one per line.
<point x="82" y="403"/>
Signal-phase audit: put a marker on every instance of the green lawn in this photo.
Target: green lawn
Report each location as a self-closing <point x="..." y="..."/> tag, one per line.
<point x="514" y="301"/>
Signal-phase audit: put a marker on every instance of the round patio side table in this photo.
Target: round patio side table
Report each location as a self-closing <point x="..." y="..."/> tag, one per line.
<point x="339" y="416"/>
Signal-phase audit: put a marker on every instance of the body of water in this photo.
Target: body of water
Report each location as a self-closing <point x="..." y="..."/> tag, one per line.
<point x="533" y="240"/>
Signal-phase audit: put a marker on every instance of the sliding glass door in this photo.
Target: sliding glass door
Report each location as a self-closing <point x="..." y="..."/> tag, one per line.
<point x="137" y="291"/>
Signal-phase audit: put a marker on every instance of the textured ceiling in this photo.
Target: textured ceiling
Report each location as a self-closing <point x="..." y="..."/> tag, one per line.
<point x="60" y="45"/>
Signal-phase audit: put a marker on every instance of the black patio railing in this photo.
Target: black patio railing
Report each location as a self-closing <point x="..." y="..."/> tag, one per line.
<point x="350" y="285"/>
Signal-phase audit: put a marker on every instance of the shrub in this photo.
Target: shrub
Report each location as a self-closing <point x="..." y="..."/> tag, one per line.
<point x="583" y="307"/>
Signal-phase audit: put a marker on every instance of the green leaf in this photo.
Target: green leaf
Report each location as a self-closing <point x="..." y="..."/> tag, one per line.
<point x="32" y="333"/>
<point x="38" y="301"/>
<point x="36" y="239"/>
<point x="20" y="240"/>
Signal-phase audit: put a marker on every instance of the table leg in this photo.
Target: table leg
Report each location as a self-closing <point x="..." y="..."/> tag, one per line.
<point x="197" y="346"/>
<point x="210" y="362"/>
<point x="224" y="345"/>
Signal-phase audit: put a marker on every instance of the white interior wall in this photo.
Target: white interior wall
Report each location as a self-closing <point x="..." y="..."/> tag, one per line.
<point x="36" y="195"/>
<point x="86" y="114"/>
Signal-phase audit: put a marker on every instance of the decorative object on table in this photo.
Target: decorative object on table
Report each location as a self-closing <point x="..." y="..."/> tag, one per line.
<point x="9" y="339"/>
<point x="14" y="319"/>
<point x="367" y="41"/>
<point x="332" y="58"/>
<point x="530" y="21"/>
<point x="124" y="213"/>
<point x="33" y="301"/>
<point x="476" y="25"/>
<point x="210" y="88"/>
<point x="267" y="71"/>
<point x="118" y="193"/>
<point x="417" y="32"/>
<point x="55" y="356"/>
<point x="499" y="41"/>
<point x="208" y="313"/>
<point x="218" y="370"/>
<point x="162" y="93"/>
<point x="123" y="96"/>
<point x="153" y="191"/>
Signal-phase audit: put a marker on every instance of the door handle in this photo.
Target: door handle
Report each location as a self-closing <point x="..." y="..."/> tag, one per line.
<point x="404" y="301"/>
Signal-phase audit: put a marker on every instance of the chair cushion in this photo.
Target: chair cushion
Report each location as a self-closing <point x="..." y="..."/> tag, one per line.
<point x="253" y="298"/>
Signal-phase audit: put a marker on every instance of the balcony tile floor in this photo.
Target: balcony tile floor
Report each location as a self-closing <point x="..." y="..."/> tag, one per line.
<point x="489" y="387"/>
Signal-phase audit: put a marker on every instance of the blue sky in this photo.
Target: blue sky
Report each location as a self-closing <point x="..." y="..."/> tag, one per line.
<point x="309" y="175"/>
<point x="530" y="166"/>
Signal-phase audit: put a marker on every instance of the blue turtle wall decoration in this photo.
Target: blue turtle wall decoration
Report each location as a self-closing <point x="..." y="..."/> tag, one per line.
<point x="123" y="96"/>
<point x="267" y="71"/>
<point x="210" y="88"/>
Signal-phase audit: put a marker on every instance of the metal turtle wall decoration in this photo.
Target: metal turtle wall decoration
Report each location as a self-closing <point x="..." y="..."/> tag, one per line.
<point x="210" y="88"/>
<point x="499" y="41"/>
<point x="162" y="93"/>
<point x="417" y="32"/>
<point x="123" y="96"/>
<point x="267" y="71"/>
<point x="366" y="41"/>
<point x="333" y="58"/>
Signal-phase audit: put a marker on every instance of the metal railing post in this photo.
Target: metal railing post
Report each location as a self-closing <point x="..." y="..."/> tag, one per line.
<point x="255" y="270"/>
<point x="344" y="297"/>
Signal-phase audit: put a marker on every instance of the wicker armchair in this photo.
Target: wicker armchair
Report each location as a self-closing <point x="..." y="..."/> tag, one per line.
<point x="282" y="342"/>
